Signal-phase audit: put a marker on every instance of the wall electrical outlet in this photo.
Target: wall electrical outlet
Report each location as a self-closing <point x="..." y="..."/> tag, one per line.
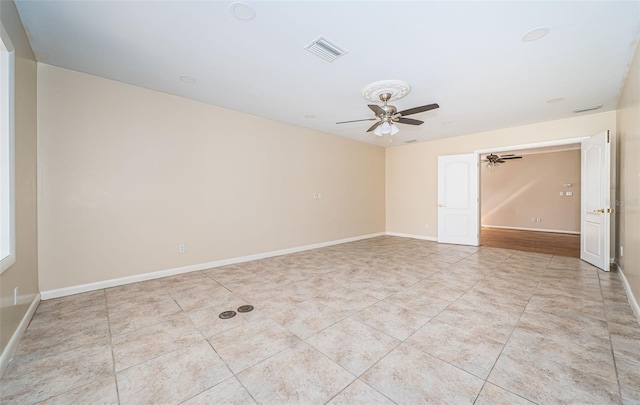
<point x="561" y="193"/>
<point x="538" y="219"/>
<point x="182" y="248"/>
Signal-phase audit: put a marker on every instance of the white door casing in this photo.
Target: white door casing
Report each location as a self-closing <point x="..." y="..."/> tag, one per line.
<point x="458" y="219"/>
<point x="595" y="200"/>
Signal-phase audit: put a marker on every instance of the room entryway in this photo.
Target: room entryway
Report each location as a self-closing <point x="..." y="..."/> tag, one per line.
<point x="530" y="200"/>
<point x="594" y="193"/>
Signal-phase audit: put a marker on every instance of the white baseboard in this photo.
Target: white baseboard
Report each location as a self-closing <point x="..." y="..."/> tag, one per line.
<point x="12" y="346"/>
<point x="530" y="229"/>
<point x="632" y="300"/>
<point x="63" y="292"/>
<point x="408" y="235"/>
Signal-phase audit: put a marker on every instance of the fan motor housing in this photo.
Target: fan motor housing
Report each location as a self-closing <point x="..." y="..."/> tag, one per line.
<point x="389" y="110"/>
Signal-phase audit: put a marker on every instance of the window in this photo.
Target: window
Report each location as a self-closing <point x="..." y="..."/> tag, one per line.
<point x="7" y="172"/>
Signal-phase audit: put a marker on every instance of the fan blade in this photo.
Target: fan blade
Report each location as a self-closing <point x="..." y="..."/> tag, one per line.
<point x="366" y="119"/>
<point x="408" y="121"/>
<point x="416" y="110"/>
<point x="508" y="158"/>
<point x="374" y="126"/>
<point x="513" y="154"/>
<point x="376" y="109"/>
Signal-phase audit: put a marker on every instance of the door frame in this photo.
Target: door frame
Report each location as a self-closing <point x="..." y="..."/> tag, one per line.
<point x="535" y="145"/>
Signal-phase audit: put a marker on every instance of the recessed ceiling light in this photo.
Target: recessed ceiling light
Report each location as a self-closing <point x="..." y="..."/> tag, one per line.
<point x="555" y="100"/>
<point x="309" y="116"/>
<point x="242" y="11"/>
<point x="187" y="79"/>
<point x="535" y="34"/>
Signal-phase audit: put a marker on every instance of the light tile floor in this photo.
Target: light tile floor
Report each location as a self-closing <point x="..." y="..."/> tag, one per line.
<point x="379" y="321"/>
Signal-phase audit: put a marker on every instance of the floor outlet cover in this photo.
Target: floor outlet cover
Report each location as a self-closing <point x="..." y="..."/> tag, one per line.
<point x="227" y="314"/>
<point x="245" y="308"/>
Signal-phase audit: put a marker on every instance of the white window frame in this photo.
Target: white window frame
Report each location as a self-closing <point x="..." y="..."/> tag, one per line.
<point x="7" y="152"/>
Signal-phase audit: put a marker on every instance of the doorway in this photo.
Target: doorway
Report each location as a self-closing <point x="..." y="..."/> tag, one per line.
<point x="530" y="199"/>
<point x="596" y="197"/>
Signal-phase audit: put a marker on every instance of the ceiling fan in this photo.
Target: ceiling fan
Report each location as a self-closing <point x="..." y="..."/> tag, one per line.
<point x="494" y="160"/>
<point x="387" y="115"/>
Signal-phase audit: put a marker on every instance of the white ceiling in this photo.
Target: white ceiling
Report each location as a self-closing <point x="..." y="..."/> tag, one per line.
<point x="467" y="56"/>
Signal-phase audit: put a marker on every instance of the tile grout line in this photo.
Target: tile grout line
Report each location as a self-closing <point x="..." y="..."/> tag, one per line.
<point x="486" y="380"/>
<point x="613" y="352"/>
<point x="353" y="382"/>
<point x="113" y="356"/>
<point x="233" y="375"/>
<point x="112" y="359"/>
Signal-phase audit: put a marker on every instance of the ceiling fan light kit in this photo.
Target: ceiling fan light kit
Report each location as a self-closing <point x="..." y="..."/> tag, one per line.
<point x="386" y="129"/>
<point x="387" y="115"/>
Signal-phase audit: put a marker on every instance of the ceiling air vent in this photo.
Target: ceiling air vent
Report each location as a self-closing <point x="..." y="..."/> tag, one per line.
<point x="328" y="51"/>
<point x="590" y="108"/>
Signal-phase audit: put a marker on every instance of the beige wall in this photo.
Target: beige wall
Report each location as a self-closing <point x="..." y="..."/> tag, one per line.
<point x="411" y="170"/>
<point x="520" y="189"/>
<point x="24" y="272"/>
<point x="628" y="126"/>
<point x="127" y="174"/>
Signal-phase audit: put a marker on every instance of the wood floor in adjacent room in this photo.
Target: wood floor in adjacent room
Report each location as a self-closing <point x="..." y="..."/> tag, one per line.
<point x="561" y="244"/>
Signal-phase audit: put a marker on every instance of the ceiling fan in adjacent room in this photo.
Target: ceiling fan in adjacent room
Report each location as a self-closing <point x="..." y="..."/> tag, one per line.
<point x="493" y="160"/>
<point x="387" y="115"/>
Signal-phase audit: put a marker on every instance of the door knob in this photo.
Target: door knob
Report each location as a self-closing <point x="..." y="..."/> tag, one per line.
<point x="601" y="210"/>
<point x="440" y="205"/>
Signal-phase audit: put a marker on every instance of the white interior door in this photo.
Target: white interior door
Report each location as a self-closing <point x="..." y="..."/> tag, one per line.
<point x="596" y="209"/>
<point x="458" y="199"/>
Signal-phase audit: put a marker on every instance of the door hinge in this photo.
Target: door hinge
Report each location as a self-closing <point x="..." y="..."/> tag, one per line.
<point x="607" y="136"/>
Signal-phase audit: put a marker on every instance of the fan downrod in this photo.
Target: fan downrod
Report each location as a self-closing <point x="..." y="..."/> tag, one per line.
<point x="388" y="110"/>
